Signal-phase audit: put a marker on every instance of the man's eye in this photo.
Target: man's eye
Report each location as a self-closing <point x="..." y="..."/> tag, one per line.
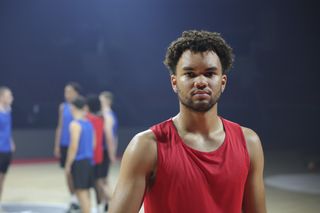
<point x="209" y="74"/>
<point x="190" y="74"/>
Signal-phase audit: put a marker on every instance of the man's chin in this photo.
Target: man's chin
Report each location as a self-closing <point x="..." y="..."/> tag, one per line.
<point x="201" y="107"/>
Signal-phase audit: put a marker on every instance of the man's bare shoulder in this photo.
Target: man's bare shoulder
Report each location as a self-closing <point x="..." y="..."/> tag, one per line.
<point x="137" y="167"/>
<point x="143" y="142"/>
<point x="142" y="150"/>
<point x="250" y="135"/>
<point x="61" y="106"/>
<point x="75" y="126"/>
<point x="252" y="140"/>
<point x="146" y="135"/>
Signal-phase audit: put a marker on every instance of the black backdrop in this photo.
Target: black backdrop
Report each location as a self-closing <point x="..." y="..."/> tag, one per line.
<point x="119" y="45"/>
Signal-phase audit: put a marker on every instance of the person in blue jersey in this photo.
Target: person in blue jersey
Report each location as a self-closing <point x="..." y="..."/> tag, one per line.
<point x="62" y="140"/>
<point x="7" y="146"/>
<point x="79" y="163"/>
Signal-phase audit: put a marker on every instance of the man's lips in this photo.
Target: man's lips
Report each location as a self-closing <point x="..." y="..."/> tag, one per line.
<point x="201" y="92"/>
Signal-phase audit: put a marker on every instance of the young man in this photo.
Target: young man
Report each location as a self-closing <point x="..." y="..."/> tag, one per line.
<point x="7" y="146"/>
<point x="101" y="158"/>
<point x="110" y="125"/>
<point x="196" y="161"/>
<point x="62" y="139"/>
<point x="79" y="163"/>
<point x="110" y="139"/>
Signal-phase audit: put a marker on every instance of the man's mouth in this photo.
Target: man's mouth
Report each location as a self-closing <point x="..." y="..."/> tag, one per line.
<point x="201" y="94"/>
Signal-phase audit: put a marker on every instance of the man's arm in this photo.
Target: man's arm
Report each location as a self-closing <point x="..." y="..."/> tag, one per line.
<point x="75" y="131"/>
<point x="13" y="145"/>
<point x="56" y="150"/>
<point x="138" y="164"/>
<point x="110" y="140"/>
<point x="94" y="140"/>
<point x="254" y="197"/>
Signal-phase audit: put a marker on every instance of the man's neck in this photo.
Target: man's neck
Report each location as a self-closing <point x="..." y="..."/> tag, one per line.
<point x="4" y="107"/>
<point x="197" y="122"/>
<point x="107" y="108"/>
<point x="79" y="115"/>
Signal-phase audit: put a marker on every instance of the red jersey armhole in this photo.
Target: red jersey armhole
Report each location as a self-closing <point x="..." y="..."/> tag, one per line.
<point x="243" y="139"/>
<point x="159" y="159"/>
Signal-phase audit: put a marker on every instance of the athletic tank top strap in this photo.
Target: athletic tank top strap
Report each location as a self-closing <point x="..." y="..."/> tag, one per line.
<point x="162" y="131"/>
<point x="237" y="137"/>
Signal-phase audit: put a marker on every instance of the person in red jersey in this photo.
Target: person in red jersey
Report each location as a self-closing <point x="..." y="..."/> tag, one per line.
<point x="101" y="167"/>
<point x="196" y="161"/>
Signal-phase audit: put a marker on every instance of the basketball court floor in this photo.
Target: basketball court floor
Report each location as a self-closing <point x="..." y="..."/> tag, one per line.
<point x="40" y="187"/>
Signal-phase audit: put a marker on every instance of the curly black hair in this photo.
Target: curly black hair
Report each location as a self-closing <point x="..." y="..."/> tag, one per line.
<point x="199" y="41"/>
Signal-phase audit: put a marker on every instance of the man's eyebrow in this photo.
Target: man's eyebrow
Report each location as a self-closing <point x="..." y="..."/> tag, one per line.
<point x="212" y="68"/>
<point x="186" y="68"/>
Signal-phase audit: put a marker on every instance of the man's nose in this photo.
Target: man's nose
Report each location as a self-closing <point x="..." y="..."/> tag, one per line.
<point x="200" y="82"/>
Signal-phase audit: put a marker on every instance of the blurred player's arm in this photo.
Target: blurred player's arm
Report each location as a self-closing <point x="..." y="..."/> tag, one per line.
<point x="137" y="166"/>
<point x="254" y="197"/>
<point x="56" y="151"/>
<point x="110" y="139"/>
<point x="94" y="142"/>
<point x="13" y="145"/>
<point x="75" y="131"/>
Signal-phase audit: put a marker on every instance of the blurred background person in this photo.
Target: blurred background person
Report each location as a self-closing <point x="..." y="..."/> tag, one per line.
<point x="80" y="154"/>
<point x="110" y="142"/>
<point x="7" y="146"/>
<point x="101" y="158"/>
<point x="62" y="140"/>
<point x="110" y="124"/>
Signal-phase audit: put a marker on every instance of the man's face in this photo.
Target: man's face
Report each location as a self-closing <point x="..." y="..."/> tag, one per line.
<point x="70" y="93"/>
<point x="199" y="81"/>
<point x="104" y="101"/>
<point x="7" y="97"/>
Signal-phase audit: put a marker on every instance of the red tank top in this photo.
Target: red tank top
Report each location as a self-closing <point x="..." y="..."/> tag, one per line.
<point x="97" y="123"/>
<point x="191" y="181"/>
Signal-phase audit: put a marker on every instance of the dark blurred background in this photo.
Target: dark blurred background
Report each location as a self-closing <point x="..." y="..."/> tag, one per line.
<point x="119" y="45"/>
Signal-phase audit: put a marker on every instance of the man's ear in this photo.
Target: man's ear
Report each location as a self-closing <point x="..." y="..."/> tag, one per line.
<point x="224" y="82"/>
<point x="174" y="82"/>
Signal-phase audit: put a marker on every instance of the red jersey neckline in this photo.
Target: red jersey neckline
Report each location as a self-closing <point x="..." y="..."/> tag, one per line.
<point x="221" y="147"/>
